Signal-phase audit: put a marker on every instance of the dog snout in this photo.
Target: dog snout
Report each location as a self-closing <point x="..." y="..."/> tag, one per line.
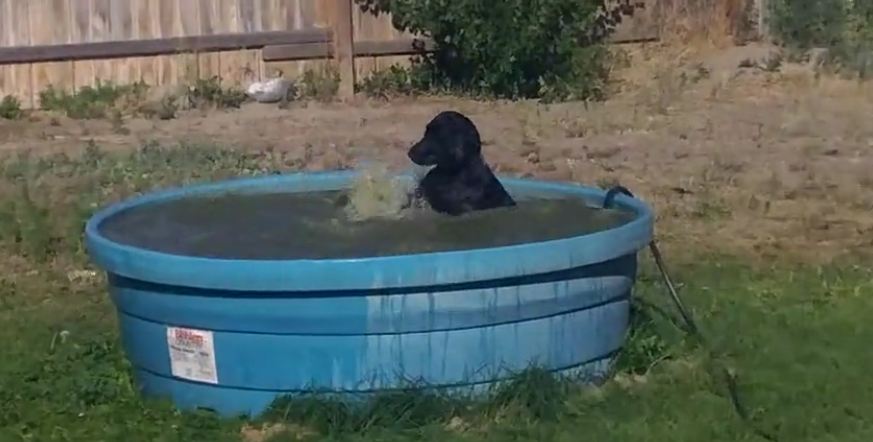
<point x="421" y="154"/>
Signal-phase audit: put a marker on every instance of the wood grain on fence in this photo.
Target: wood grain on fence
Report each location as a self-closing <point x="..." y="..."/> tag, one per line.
<point x="29" y="23"/>
<point x="178" y="41"/>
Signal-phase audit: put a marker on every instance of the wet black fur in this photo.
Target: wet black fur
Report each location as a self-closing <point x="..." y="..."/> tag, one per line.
<point x="461" y="181"/>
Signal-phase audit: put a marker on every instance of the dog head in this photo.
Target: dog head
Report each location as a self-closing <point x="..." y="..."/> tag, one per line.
<point x="450" y="141"/>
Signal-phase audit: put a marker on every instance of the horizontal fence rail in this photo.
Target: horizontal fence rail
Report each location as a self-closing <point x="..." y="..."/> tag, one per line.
<point x="68" y="44"/>
<point x="160" y="46"/>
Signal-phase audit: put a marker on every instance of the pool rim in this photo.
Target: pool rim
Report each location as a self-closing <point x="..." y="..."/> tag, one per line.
<point x="406" y="271"/>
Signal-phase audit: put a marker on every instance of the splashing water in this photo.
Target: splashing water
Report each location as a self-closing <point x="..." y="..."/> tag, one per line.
<point x="377" y="194"/>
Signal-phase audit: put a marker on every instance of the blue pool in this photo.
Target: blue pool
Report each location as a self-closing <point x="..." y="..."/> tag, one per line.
<point x="233" y="334"/>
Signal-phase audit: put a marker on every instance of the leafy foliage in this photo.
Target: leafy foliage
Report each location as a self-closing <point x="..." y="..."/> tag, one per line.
<point x="206" y="93"/>
<point x="319" y="84"/>
<point x="809" y="23"/>
<point x="91" y="102"/>
<point x="10" y="108"/>
<point x="844" y="27"/>
<point x="397" y="81"/>
<point x="513" y="48"/>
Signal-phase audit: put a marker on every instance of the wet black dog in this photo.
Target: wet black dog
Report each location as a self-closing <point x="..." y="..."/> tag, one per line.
<point x="461" y="182"/>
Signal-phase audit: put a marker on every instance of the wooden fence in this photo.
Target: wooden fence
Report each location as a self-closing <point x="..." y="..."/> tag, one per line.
<point x="73" y="43"/>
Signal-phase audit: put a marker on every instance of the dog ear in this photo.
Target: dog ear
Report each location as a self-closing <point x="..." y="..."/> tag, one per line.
<point x="453" y="151"/>
<point x="457" y="151"/>
<point x="466" y="146"/>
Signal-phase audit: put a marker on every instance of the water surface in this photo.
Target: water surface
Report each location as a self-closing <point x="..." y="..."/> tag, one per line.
<point x="314" y="225"/>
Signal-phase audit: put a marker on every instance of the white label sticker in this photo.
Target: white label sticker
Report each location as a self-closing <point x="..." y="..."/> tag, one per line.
<point x="192" y="354"/>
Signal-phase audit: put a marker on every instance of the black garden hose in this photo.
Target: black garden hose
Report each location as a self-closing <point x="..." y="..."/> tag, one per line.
<point x="730" y="378"/>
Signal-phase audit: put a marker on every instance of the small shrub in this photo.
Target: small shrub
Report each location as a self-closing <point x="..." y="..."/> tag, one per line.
<point x="163" y="109"/>
<point x="773" y="63"/>
<point x="514" y="48"/>
<point x="10" y="108"/>
<point x="28" y="227"/>
<point x="397" y="81"/>
<point x="52" y="99"/>
<point x="843" y="27"/>
<point x="807" y="24"/>
<point x="319" y="84"/>
<point x="117" y="120"/>
<point x="644" y="346"/>
<point x="205" y="93"/>
<point x="91" y="102"/>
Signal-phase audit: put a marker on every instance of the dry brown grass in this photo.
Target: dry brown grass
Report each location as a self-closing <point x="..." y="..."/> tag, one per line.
<point x="718" y="22"/>
<point x="742" y="160"/>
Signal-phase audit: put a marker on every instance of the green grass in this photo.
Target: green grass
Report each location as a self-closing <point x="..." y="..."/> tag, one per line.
<point x="209" y="93"/>
<point x="797" y="337"/>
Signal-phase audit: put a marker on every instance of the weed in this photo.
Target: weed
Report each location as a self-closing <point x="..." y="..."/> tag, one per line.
<point x="10" y="108"/>
<point x="607" y="182"/>
<point x="208" y="93"/>
<point x="844" y="28"/>
<point x="163" y="109"/>
<point x="574" y="127"/>
<point x="117" y="121"/>
<point x="25" y="226"/>
<point x="320" y="84"/>
<point x="645" y="345"/>
<point x="666" y="90"/>
<point x="708" y="207"/>
<point x="92" y="102"/>
<point x="396" y="81"/>
<point x="773" y="63"/>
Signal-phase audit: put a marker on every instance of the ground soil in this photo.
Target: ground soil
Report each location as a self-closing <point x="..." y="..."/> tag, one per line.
<point x="776" y="163"/>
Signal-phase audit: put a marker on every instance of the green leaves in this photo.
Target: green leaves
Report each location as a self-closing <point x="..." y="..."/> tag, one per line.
<point x="512" y="48"/>
<point x="10" y="108"/>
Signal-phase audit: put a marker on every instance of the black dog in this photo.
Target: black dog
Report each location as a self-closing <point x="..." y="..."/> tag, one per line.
<point x="461" y="182"/>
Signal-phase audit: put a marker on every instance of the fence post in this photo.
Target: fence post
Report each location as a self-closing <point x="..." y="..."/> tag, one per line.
<point x="343" y="46"/>
<point x="763" y="22"/>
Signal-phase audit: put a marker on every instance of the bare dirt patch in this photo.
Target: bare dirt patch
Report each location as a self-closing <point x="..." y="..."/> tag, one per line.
<point x="776" y="164"/>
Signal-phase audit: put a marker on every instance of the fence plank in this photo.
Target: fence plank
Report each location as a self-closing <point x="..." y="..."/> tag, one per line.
<point x="125" y="70"/>
<point x="286" y="16"/>
<point x="147" y="28"/>
<point x="5" y="23"/>
<point x="237" y="67"/>
<point x="362" y="30"/>
<point x="83" y="70"/>
<point x="274" y="14"/>
<point x="343" y="40"/>
<point x="50" y="24"/>
<point x="15" y="80"/>
<point x="209" y="64"/>
<point x="189" y="23"/>
<point x="250" y="15"/>
<point x="100" y="30"/>
<point x="306" y="16"/>
<point x="20" y="76"/>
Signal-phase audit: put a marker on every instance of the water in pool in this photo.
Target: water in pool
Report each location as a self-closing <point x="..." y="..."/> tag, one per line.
<point x="316" y="225"/>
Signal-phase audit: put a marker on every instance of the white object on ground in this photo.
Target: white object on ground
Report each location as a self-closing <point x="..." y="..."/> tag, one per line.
<point x="269" y="91"/>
